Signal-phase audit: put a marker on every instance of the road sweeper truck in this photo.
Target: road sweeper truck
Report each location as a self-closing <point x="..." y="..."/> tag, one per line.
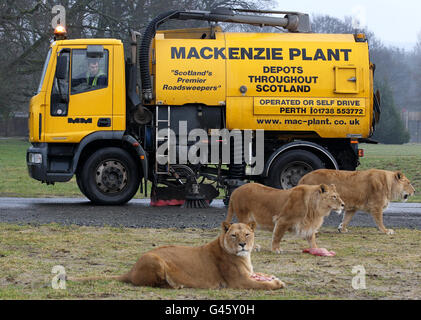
<point x="197" y="112"/>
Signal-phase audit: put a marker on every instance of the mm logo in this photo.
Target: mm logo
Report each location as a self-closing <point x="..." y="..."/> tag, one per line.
<point x="79" y="120"/>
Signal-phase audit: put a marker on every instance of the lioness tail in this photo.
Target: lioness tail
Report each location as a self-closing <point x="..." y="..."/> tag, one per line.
<point x="123" y="278"/>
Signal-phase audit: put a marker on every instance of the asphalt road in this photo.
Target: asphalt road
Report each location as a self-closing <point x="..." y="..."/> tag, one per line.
<point x="138" y="214"/>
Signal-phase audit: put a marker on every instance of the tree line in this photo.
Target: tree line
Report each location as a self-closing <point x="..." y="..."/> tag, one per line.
<point x="395" y="78"/>
<point x="26" y="32"/>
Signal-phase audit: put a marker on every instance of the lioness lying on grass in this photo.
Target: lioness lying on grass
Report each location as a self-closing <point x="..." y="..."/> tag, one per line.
<point x="222" y="263"/>
<point x="369" y="191"/>
<point x="301" y="209"/>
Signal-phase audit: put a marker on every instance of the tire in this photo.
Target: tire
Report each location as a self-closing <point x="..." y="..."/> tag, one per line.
<point x="80" y="183"/>
<point x="109" y="176"/>
<point x="288" y="168"/>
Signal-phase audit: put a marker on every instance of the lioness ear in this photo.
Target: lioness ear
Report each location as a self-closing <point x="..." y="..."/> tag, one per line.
<point x="226" y="226"/>
<point x="252" y="225"/>
<point x="398" y="175"/>
<point x="323" y="188"/>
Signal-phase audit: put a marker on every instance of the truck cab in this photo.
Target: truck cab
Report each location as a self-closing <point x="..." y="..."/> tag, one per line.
<point x="81" y="100"/>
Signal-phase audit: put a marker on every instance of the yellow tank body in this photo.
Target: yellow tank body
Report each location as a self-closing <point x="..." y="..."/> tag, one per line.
<point x="310" y="84"/>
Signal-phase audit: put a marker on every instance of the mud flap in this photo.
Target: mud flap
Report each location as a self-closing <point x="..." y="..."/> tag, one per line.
<point x="142" y="157"/>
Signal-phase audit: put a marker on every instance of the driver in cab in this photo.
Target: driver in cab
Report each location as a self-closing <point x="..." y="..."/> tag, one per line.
<point x="94" y="78"/>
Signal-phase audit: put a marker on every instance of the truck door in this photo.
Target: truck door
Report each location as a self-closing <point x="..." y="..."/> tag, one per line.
<point x="81" y="98"/>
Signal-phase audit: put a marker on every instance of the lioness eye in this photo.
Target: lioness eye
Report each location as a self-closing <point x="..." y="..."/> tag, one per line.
<point x="247" y="234"/>
<point x="233" y="235"/>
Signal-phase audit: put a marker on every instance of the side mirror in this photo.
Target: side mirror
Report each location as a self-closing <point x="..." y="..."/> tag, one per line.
<point x="61" y="68"/>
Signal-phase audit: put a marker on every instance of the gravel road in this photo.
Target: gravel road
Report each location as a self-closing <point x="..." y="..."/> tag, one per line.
<point x="138" y="214"/>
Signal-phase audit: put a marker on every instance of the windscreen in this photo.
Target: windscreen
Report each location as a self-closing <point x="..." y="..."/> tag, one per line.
<point x="44" y="70"/>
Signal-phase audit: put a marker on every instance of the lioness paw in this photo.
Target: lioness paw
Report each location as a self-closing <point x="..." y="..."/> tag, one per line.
<point x="390" y="232"/>
<point x="341" y="229"/>
<point x="277" y="250"/>
<point x="279" y="284"/>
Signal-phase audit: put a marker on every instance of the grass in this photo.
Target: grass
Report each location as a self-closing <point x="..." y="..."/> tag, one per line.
<point x="28" y="254"/>
<point x="14" y="178"/>
<point x="15" y="181"/>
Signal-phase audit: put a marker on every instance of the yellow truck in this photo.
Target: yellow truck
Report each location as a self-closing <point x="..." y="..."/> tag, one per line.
<point x="306" y="100"/>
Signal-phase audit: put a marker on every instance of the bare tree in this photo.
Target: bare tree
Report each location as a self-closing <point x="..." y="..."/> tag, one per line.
<point x="26" y="32"/>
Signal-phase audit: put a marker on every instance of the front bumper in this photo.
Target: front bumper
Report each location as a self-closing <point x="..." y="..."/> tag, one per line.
<point x="40" y="171"/>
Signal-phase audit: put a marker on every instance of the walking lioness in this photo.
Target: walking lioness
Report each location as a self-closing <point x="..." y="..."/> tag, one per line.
<point x="222" y="263"/>
<point x="369" y="191"/>
<point x="300" y="209"/>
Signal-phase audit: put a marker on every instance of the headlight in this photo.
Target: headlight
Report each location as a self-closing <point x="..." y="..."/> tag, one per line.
<point x="35" y="158"/>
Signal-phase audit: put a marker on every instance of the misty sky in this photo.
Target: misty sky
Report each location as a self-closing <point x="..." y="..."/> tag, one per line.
<point x="395" y="22"/>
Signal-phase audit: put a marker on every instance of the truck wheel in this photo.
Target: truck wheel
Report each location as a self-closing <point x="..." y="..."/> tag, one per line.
<point x="110" y="176"/>
<point x="80" y="184"/>
<point x="290" y="167"/>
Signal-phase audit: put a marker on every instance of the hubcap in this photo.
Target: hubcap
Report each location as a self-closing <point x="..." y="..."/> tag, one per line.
<point x="292" y="174"/>
<point x="111" y="176"/>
